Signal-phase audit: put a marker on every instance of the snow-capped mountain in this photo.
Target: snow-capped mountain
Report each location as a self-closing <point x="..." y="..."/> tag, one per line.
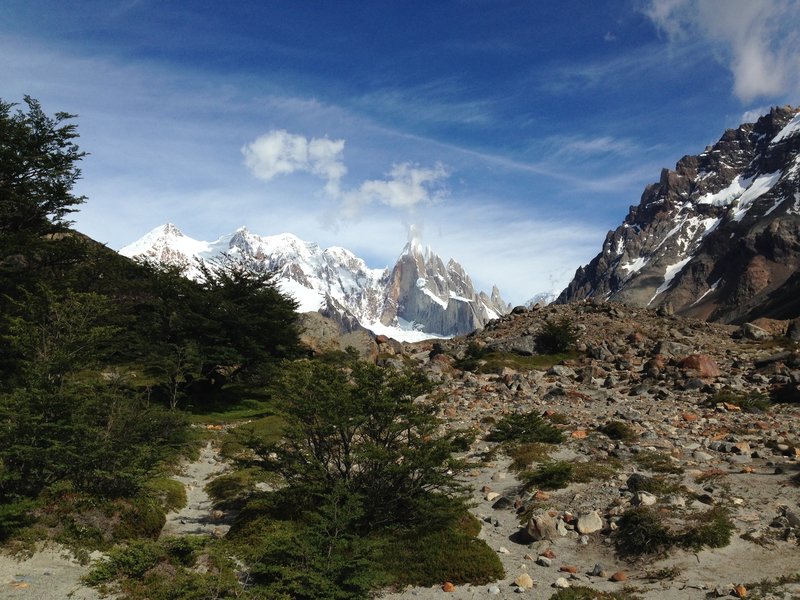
<point x="717" y="238"/>
<point x="419" y="298"/>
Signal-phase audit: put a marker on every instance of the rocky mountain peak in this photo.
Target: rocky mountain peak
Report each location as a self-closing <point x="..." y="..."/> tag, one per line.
<point x="717" y="236"/>
<point x="421" y="296"/>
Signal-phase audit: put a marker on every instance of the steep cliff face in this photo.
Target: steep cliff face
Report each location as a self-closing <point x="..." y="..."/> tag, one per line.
<point x="420" y="297"/>
<point x="422" y="289"/>
<point x="717" y="238"/>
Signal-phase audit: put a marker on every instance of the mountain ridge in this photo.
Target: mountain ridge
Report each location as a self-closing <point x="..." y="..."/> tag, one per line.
<point x="420" y="297"/>
<point x="717" y="237"/>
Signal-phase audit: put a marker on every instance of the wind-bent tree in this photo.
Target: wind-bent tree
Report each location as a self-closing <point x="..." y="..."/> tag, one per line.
<point x="38" y="158"/>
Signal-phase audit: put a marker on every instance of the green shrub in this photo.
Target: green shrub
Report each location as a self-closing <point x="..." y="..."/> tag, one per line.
<point x="642" y="531"/>
<point x="170" y="492"/>
<point x="550" y="476"/>
<point x="523" y="455"/>
<point x="453" y="555"/>
<point x="712" y="529"/>
<point x="556" y="336"/>
<point x="525" y="428"/>
<point x="617" y="430"/>
<point x="657" y="462"/>
<point x="131" y="561"/>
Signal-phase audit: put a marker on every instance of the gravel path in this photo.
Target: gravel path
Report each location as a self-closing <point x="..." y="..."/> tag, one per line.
<point x="198" y="516"/>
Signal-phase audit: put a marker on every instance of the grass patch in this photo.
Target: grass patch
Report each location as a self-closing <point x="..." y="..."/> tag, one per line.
<point x="265" y="430"/>
<point x="584" y="472"/>
<point x="453" y="555"/>
<point x="549" y="476"/>
<point x="231" y="490"/>
<point x="171" y="493"/>
<point x="771" y="586"/>
<point x="524" y="455"/>
<point x="748" y="402"/>
<point x="657" y="462"/>
<point x="644" y="531"/>
<point x="482" y="360"/>
<point x="234" y="403"/>
<point x="587" y="593"/>
<point x="189" y="568"/>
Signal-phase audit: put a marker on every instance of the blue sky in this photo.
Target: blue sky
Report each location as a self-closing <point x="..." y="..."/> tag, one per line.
<point x="513" y="133"/>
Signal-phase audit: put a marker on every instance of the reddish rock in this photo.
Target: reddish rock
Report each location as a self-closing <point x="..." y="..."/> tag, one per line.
<point x="579" y="434"/>
<point x="568" y="569"/>
<point x="548" y="553"/>
<point x="448" y="587"/>
<point x="619" y="576"/>
<point x="689" y="417"/>
<point x="702" y="364"/>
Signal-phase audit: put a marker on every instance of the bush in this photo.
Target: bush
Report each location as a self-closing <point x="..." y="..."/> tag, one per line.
<point x="713" y="530"/>
<point x="642" y="531"/>
<point x="556" y="337"/>
<point x="617" y="430"/>
<point x="525" y="428"/>
<point x="550" y="476"/>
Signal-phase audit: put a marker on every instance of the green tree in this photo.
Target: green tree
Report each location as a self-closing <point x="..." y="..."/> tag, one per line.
<point x="248" y="323"/>
<point x="38" y="169"/>
<point x="359" y="426"/>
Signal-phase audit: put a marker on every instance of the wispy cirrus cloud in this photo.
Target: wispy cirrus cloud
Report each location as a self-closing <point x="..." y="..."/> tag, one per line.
<point x="758" y="41"/>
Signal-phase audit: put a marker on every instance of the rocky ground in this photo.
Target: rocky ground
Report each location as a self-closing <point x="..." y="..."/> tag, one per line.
<point x="198" y="517"/>
<point x="662" y="377"/>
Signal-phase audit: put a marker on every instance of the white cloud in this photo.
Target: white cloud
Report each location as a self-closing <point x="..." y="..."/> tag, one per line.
<point x="759" y="41"/>
<point x="752" y="115"/>
<point x="406" y="187"/>
<point x="281" y="153"/>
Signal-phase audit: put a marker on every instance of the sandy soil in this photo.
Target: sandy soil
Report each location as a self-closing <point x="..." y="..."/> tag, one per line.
<point x="50" y="574"/>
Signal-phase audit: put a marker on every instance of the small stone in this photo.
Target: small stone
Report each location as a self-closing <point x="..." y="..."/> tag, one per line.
<point x="503" y="550"/>
<point x="448" y="587"/>
<point x="740" y="591"/>
<point x="543" y="561"/>
<point x="568" y="569"/>
<point x="561" y="583"/>
<point x="619" y="576"/>
<point x="493" y="590"/>
<point x="598" y="571"/>
<point x="491" y="496"/>
<point x="589" y="522"/>
<point x="647" y="499"/>
<point x="548" y="553"/>
<point x="579" y="434"/>
<point x="524" y="581"/>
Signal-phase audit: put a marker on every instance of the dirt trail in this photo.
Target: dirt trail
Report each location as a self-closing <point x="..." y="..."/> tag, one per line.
<point x="198" y="517"/>
<point x="50" y="574"/>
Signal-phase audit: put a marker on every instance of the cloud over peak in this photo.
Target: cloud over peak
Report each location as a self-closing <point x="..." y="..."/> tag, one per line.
<point x="279" y="152"/>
